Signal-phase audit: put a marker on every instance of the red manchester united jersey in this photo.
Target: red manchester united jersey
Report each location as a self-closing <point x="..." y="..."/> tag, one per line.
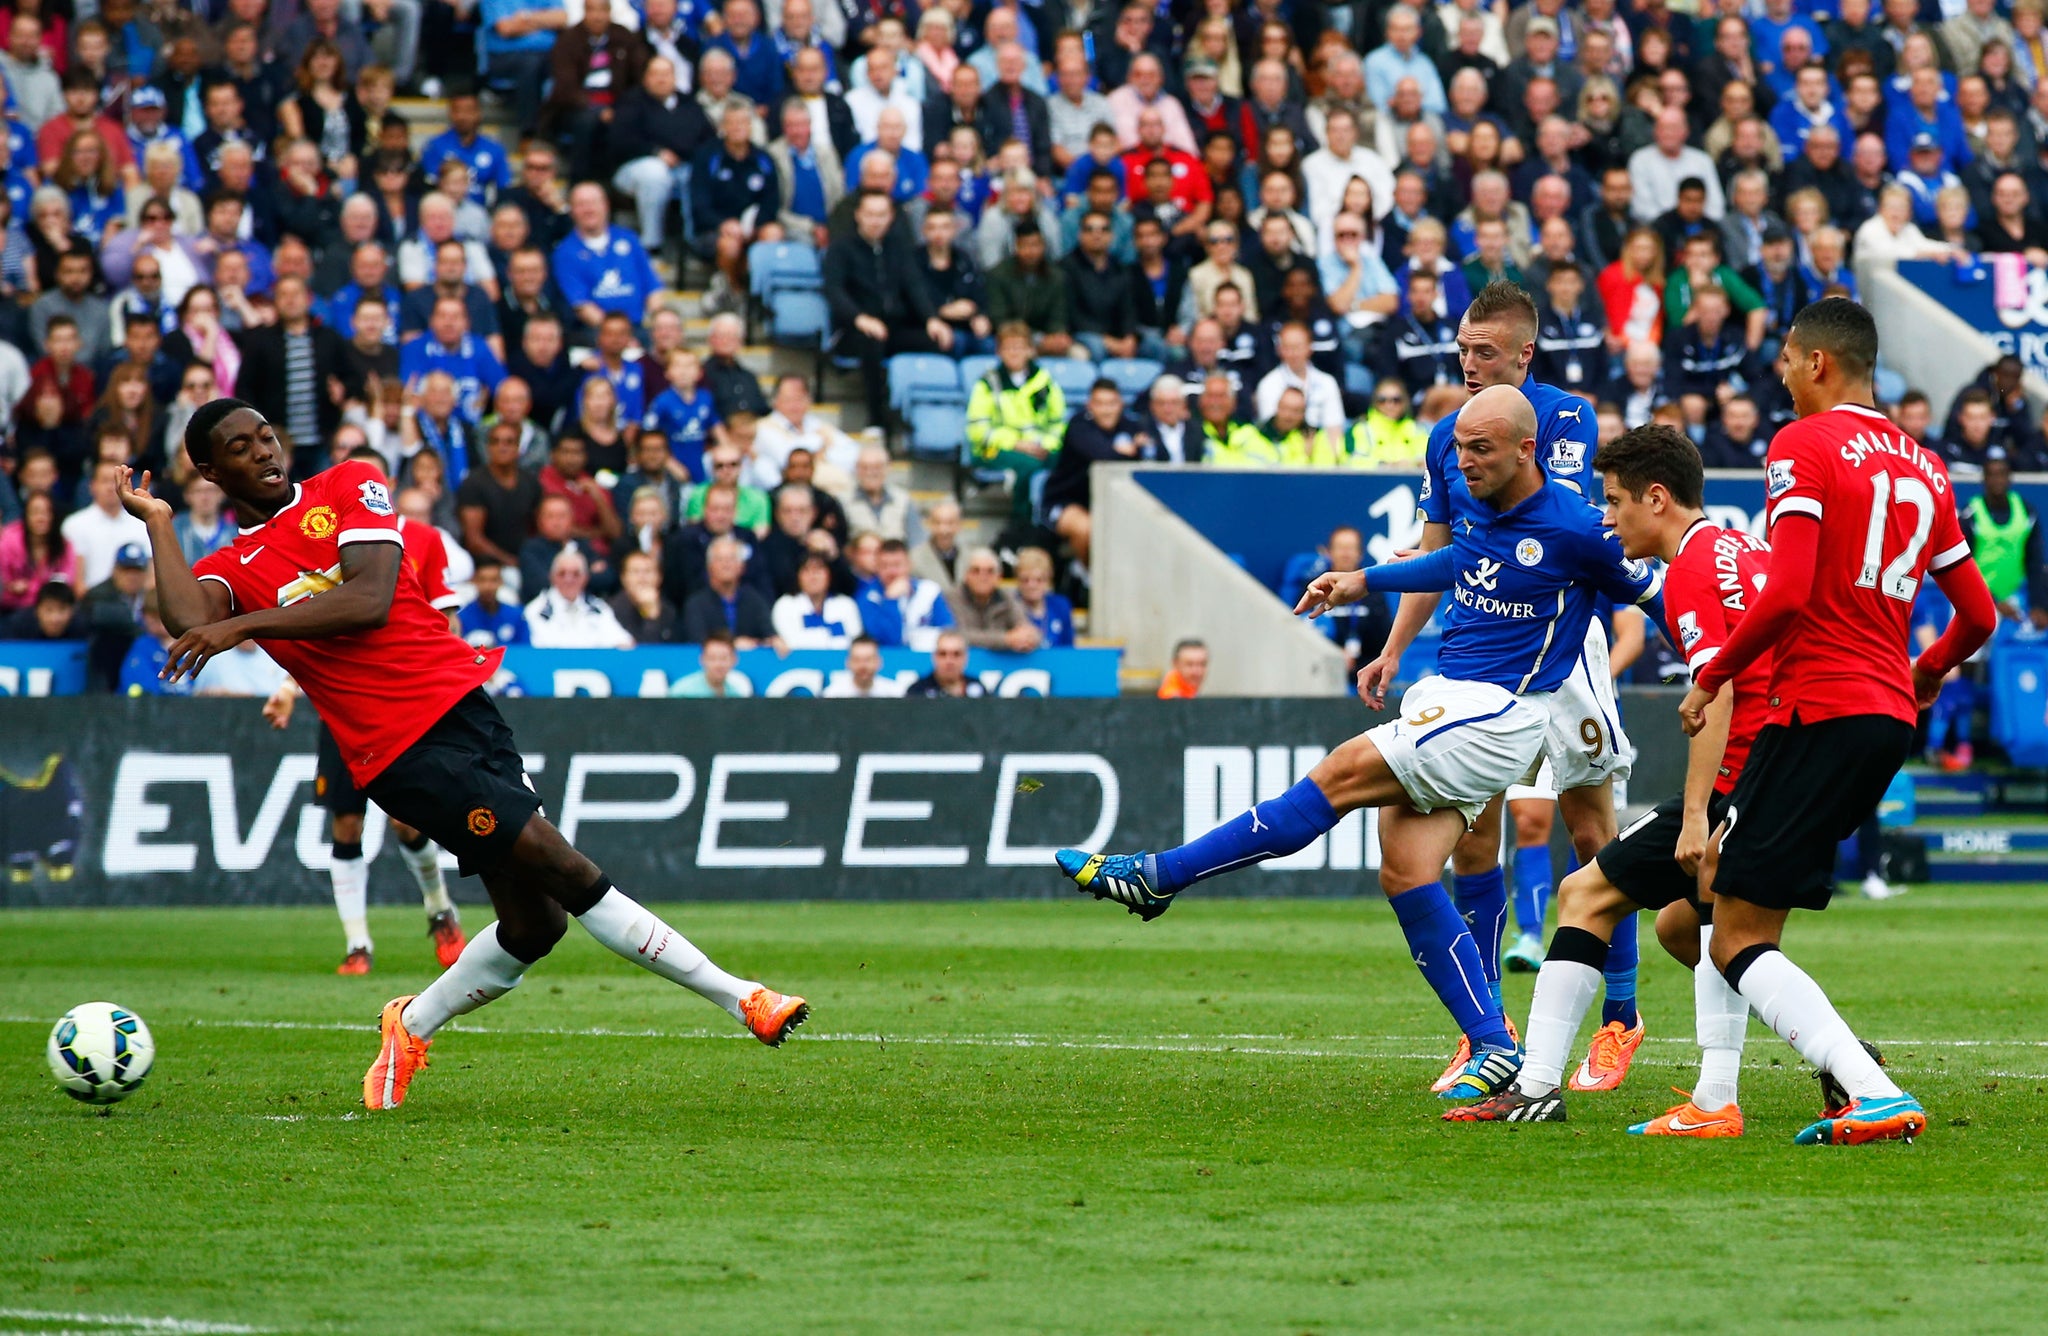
<point x="378" y="690"/>
<point x="428" y="558"/>
<point x="1710" y="586"/>
<point x="1887" y="516"/>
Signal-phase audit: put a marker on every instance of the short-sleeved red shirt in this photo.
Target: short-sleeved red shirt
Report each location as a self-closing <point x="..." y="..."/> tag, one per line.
<point x="377" y="690"/>
<point x="1190" y="181"/>
<point x="1887" y="516"/>
<point x="428" y="557"/>
<point x="1710" y="586"/>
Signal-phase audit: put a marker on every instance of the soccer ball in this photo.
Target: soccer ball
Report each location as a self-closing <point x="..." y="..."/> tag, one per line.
<point x="100" y="1053"/>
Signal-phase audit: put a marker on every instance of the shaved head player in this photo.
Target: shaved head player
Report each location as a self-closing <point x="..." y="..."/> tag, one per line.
<point x="316" y="576"/>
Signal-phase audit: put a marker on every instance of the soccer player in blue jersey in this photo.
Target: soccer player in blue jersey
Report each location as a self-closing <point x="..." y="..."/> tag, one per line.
<point x="1524" y="563"/>
<point x="1587" y="748"/>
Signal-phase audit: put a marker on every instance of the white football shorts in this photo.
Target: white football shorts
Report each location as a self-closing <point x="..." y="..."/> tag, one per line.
<point x="1458" y="744"/>
<point x="1586" y="744"/>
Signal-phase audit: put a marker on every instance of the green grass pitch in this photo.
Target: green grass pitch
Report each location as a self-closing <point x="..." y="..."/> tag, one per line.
<point x="1003" y="1117"/>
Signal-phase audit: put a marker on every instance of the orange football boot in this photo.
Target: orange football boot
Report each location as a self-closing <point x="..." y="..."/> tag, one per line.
<point x="1688" y="1120"/>
<point x="1464" y="1056"/>
<point x="357" y="962"/>
<point x="446" y="930"/>
<point x="1607" y="1063"/>
<point x="771" y="1015"/>
<point x="398" y="1061"/>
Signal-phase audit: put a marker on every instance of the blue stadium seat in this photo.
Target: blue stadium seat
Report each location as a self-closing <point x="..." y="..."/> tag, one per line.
<point x="1358" y="380"/>
<point x="936" y="430"/>
<point x="1038" y="481"/>
<point x="798" y="318"/>
<point x="973" y="369"/>
<point x="1133" y="375"/>
<point x="782" y="266"/>
<point x="923" y="378"/>
<point x="1072" y="377"/>
<point x="1889" y="384"/>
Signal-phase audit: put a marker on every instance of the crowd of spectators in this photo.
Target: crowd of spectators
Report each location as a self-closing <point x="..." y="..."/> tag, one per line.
<point x="1288" y="204"/>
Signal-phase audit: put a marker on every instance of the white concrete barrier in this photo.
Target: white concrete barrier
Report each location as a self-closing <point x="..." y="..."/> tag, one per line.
<point x="1157" y="581"/>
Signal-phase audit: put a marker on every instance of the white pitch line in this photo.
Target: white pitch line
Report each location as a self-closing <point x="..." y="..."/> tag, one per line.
<point x="1163" y="1043"/>
<point x="126" y="1322"/>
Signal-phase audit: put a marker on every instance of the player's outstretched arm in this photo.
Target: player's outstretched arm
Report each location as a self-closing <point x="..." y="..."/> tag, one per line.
<point x="369" y="577"/>
<point x="1976" y="618"/>
<point x="182" y="600"/>
<point x="1431" y="573"/>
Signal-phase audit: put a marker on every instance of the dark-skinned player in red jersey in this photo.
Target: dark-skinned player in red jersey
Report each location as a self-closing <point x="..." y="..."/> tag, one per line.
<point x="1859" y="515"/>
<point x="1654" y="487"/>
<point x="316" y="576"/>
<point x="336" y="788"/>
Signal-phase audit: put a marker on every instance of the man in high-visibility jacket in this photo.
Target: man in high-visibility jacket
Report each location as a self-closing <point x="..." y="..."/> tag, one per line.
<point x="1016" y="415"/>
<point x="1388" y="436"/>
<point x="1218" y="423"/>
<point x="2005" y="540"/>
<point x="1284" y="440"/>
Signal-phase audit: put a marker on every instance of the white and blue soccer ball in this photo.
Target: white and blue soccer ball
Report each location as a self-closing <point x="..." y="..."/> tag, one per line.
<point x="100" y="1053"/>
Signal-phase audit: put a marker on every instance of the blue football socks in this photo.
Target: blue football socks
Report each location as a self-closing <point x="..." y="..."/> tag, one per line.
<point x="1622" y="957"/>
<point x="1483" y="904"/>
<point x="1532" y="889"/>
<point x="1448" y="958"/>
<point x="1274" y="828"/>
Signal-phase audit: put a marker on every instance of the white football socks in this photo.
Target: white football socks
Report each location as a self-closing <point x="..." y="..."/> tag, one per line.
<point x="1790" y="1002"/>
<point x="351" y="878"/>
<point x="629" y="929"/>
<point x="425" y="863"/>
<point x="1721" y="1018"/>
<point x="483" y="972"/>
<point x="1565" y="990"/>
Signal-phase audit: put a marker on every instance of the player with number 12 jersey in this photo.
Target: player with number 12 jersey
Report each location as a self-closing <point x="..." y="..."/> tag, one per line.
<point x="1859" y="516"/>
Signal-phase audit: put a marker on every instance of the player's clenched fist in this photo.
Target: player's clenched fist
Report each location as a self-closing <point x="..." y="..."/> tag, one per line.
<point x="1692" y="711"/>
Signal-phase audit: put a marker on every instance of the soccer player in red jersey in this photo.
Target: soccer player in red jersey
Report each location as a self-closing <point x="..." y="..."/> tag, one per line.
<point x="317" y="577"/>
<point x="336" y="789"/>
<point x="1860" y="514"/>
<point x="1655" y="488"/>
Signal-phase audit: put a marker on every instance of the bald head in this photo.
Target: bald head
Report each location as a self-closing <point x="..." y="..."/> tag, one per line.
<point x="1496" y="437"/>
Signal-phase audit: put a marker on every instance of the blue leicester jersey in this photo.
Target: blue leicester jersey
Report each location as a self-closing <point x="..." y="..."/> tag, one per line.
<point x="1565" y="434"/>
<point x="489" y="170"/>
<point x="614" y="275"/>
<point x="686" y="424"/>
<point x="1523" y="585"/>
<point x="475" y="370"/>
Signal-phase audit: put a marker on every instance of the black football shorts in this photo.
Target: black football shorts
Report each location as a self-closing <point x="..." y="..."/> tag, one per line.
<point x="332" y="784"/>
<point x="1641" y="862"/>
<point x="1805" y="789"/>
<point x="463" y="784"/>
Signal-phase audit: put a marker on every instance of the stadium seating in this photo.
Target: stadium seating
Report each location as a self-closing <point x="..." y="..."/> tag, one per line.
<point x="925" y="392"/>
<point x="1072" y="377"/>
<point x="786" y="283"/>
<point x="1133" y="375"/>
